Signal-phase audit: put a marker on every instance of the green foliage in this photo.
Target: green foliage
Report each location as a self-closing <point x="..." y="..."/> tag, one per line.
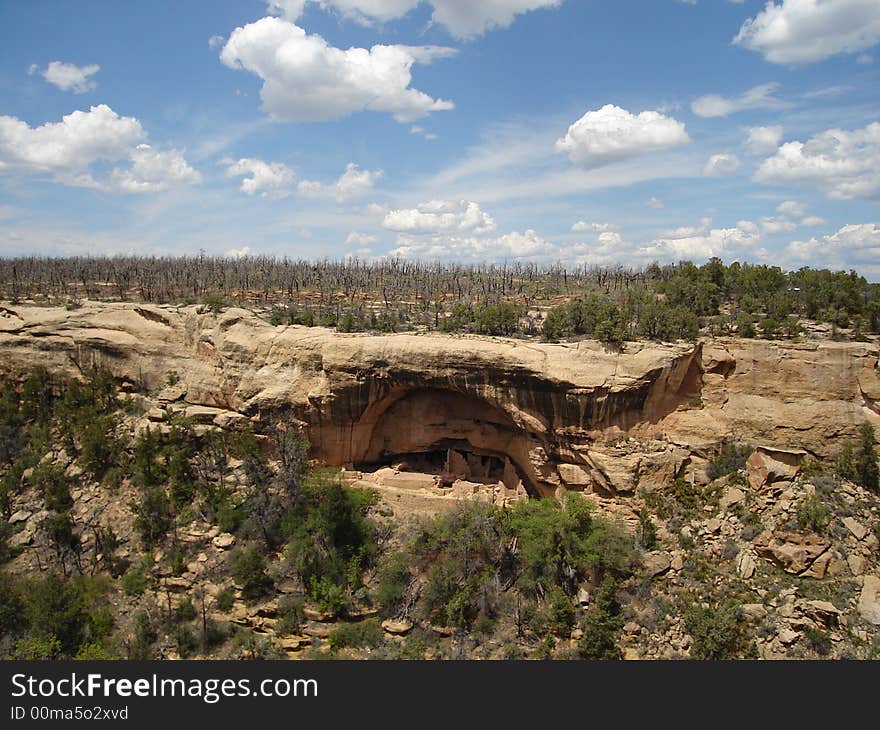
<point x="137" y="578"/>
<point x="93" y="651"/>
<point x="331" y="541"/>
<point x="819" y="641"/>
<point x="153" y="517"/>
<point x="225" y="599"/>
<point x="812" y="514"/>
<point x="602" y="624"/>
<point x="718" y="633"/>
<point x="647" y="531"/>
<point x="497" y="319"/>
<point x="291" y="610"/>
<point x="54" y="485"/>
<point x="185" y="611"/>
<point x="845" y="465"/>
<point x="11" y="604"/>
<point x="54" y="607"/>
<point x="866" y="467"/>
<point x="394" y="577"/>
<point x="248" y="567"/>
<point x="37" y="648"/>
<point x="214" y="303"/>
<point x="139" y="646"/>
<point x="363" y="634"/>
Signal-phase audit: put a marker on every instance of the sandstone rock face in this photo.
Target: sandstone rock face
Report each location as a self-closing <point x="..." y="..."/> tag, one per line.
<point x="514" y="411"/>
<point x="793" y="552"/>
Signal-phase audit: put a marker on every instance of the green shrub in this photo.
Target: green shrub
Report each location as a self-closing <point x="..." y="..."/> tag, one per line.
<point x="249" y="572"/>
<point x="136" y="579"/>
<point x="291" y="611"/>
<point x="812" y="514"/>
<point x="718" y="633"/>
<point x="93" y="651"/>
<point x="647" y="532"/>
<point x="394" y="577"/>
<point x="602" y="624"/>
<point x="225" y="599"/>
<point x="367" y="633"/>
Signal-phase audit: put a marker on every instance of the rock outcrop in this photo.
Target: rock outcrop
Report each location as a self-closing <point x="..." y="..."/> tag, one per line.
<point x="580" y="415"/>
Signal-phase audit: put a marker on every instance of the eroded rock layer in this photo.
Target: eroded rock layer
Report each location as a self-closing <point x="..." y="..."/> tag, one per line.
<point x="581" y="415"/>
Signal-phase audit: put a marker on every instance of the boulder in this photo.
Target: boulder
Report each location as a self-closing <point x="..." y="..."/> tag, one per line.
<point x="869" y="600"/>
<point x="857" y="529"/>
<point x="745" y="565"/>
<point x="656" y="562"/>
<point x="858" y="564"/>
<point x="574" y="475"/>
<point x="397" y="627"/>
<point x="822" y="612"/>
<point x="791" y="551"/>
<point x="730" y="497"/>
<point x="767" y="465"/>
<point x="224" y="541"/>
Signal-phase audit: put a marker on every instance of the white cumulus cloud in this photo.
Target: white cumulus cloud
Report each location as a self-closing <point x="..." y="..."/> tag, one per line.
<point x="721" y="164"/>
<point x="853" y="245"/>
<point x="67" y="150"/>
<point x="790" y="215"/>
<point x="438" y="216"/>
<point x="154" y="170"/>
<point x="611" y="133"/>
<point x="526" y="245"/>
<point x="269" y="179"/>
<point x="305" y="79"/>
<point x="763" y="140"/>
<point x="726" y="243"/>
<point x="758" y="97"/>
<point x="843" y="164"/>
<point x="69" y="77"/>
<point x="353" y="183"/>
<point x="805" y="31"/>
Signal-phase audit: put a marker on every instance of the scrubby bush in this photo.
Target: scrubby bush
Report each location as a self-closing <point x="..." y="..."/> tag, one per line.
<point x="365" y="633"/>
<point x="249" y="571"/>
<point x="718" y="633"/>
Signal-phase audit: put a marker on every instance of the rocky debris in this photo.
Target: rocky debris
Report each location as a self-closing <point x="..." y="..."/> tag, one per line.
<point x="730" y="497"/>
<point x="869" y="600"/>
<point x="767" y="465"/>
<point x="793" y="552"/>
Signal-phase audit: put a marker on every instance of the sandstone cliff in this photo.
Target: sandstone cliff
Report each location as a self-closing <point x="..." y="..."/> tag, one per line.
<point x="543" y="414"/>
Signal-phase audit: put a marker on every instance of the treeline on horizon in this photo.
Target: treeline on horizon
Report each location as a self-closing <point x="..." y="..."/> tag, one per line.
<point x="611" y="303"/>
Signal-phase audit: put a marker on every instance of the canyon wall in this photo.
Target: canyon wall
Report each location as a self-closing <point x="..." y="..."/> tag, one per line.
<point x="582" y="415"/>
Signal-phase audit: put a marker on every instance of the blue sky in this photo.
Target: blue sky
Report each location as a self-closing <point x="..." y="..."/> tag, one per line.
<point x="578" y="131"/>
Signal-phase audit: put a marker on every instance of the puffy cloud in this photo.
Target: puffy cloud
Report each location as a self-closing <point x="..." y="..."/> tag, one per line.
<point x="416" y="129"/>
<point x="843" y="164"/>
<point x="763" y="140"/>
<point x="721" y="164"/>
<point x="238" y="253"/>
<point x="791" y="215"/>
<point x="353" y="183"/>
<point x="852" y="245"/>
<point x="758" y="97"/>
<point x="462" y="19"/>
<point x="68" y="146"/>
<point x="654" y="203"/>
<point x="582" y="226"/>
<point x="360" y="239"/>
<point x="723" y="242"/>
<point x="438" y="216"/>
<point x="67" y="150"/>
<point x="611" y="133"/>
<point x="153" y="171"/>
<point x="806" y="31"/>
<point x="527" y="245"/>
<point x="68" y="77"/>
<point x="305" y="79"/>
<point x="270" y="179"/>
